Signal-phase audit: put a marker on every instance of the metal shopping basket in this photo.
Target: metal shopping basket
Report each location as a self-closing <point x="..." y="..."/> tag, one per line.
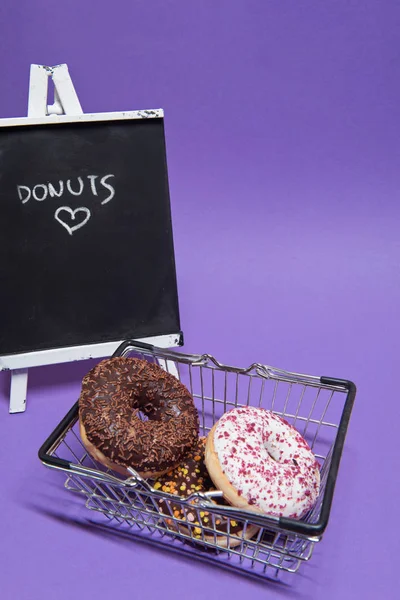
<point x="319" y="408"/>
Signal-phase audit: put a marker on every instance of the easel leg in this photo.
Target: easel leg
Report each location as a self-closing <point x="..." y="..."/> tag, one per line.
<point x="65" y="101"/>
<point x="19" y="384"/>
<point x="37" y="101"/>
<point x="169" y="366"/>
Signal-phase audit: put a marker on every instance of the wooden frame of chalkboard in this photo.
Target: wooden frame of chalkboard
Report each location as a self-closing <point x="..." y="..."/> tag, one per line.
<point x="86" y="245"/>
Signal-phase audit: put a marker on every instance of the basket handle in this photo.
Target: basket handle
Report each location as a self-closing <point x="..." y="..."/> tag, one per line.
<point x="132" y="344"/>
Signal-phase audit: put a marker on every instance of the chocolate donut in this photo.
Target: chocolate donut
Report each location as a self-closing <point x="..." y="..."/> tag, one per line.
<point x="114" y="395"/>
<point x="189" y="477"/>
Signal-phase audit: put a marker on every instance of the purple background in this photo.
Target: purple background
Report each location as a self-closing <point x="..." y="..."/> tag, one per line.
<point x="282" y="122"/>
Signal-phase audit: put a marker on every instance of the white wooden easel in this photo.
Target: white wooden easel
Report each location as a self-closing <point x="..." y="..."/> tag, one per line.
<point x="66" y="107"/>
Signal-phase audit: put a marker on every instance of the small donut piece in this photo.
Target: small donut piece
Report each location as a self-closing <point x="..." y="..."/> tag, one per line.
<point x="113" y="393"/>
<point x="261" y="463"/>
<point x="189" y="477"/>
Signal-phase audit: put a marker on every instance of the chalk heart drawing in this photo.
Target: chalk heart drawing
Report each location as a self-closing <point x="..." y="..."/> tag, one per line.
<point x="66" y="216"/>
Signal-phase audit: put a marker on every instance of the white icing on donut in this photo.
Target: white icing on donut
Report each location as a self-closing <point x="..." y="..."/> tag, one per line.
<point x="267" y="461"/>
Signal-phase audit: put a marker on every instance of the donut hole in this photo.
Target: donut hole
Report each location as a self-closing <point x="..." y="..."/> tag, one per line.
<point x="272" y="451"/>
<point x="142" y="416"/>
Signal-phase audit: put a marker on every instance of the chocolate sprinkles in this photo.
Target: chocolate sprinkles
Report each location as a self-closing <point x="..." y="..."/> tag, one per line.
<point x="113" y="395"/>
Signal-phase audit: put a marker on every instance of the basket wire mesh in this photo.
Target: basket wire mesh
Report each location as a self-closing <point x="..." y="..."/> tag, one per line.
<point x="133" y="504"/>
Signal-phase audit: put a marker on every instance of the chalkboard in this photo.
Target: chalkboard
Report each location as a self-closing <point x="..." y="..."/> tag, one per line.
<point x="86" y="244"/>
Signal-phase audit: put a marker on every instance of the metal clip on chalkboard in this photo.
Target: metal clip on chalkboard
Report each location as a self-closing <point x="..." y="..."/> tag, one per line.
<point x="75" y="155"/>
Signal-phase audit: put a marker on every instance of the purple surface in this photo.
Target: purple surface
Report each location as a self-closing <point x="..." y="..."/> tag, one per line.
<point x="283" y="144"/>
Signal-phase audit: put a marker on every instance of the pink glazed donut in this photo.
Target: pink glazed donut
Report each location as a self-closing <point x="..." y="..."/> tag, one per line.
<point x="261" y="463"/>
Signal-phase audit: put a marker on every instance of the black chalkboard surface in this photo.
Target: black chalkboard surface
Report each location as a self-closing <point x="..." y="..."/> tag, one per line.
<point x="86" y="245"/>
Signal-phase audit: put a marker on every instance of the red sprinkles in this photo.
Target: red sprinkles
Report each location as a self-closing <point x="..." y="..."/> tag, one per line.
<point x="267" y="461"/>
